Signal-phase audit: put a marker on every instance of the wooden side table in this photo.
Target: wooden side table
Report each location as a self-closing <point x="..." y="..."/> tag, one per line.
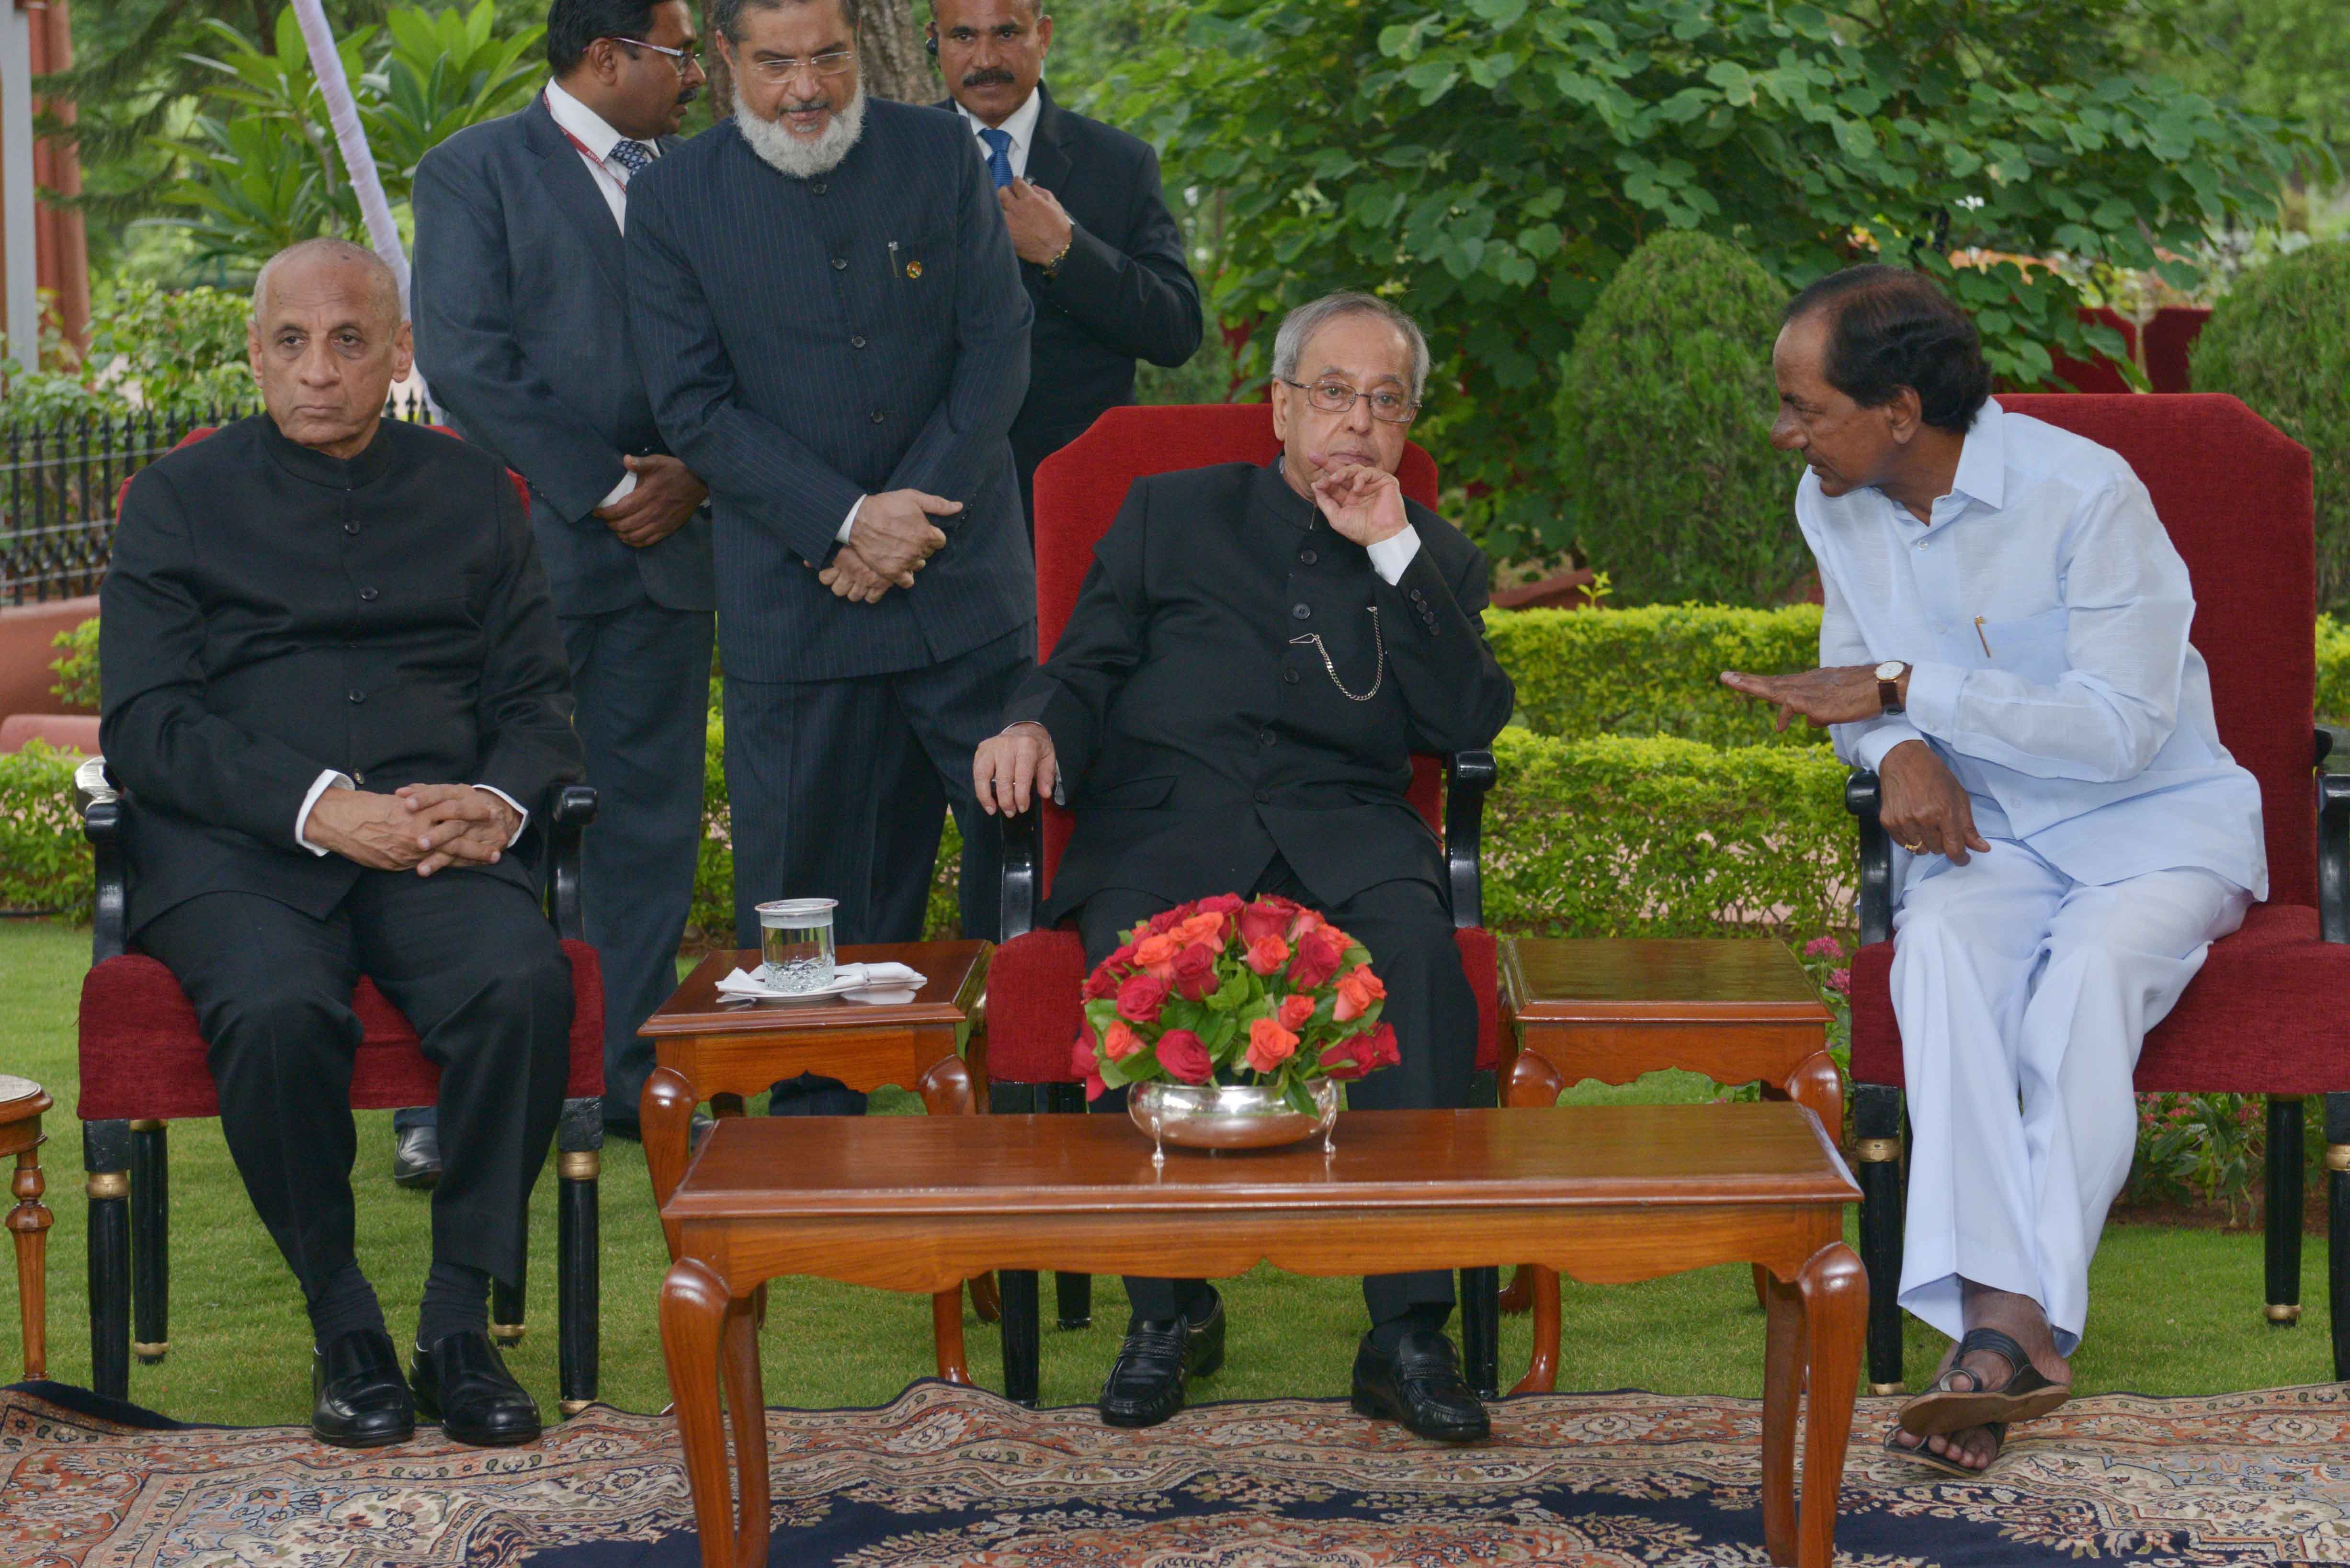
<point x="22" y="1101"/>
<point x="1740" y="1011"/>
<point x="1617" y="1193"/>
<point x="705" y="1048"/>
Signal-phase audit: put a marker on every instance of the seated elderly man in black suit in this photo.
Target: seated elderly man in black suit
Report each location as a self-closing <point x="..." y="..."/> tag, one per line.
<point x="1255" y="655"/>
<point x="334" y="686"/>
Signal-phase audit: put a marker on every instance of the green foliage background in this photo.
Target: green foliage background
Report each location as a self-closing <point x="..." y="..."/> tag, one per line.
<point x="2280" y="341"/>
<point x="1664" y="407"/>
<point x="1653" y="670"/>
<point x="1490" y="164"/>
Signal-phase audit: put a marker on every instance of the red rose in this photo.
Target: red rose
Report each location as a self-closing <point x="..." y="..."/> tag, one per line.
<point x="1226" y="904"/>
<point x="1195" y="972"/>
<point x="1383" y="1049"/>
<point x="1357" y="989"/>
<point x="1082" y="1064"/>
<point x="1318" y="958"/>
<point x="1165" y="920"/>
<point x="1294" y="1011"/>
<point x="1266" y="954"/>
<point x="1103" y="981"/>
<point x="1185" y="1058"/>
<point x="1342" y="1061"/>
<point x="1261" y="920"/>
<point x="1301" y="922"/>
<point x="1122" y="956"/>
<point x="1140" y="998"/>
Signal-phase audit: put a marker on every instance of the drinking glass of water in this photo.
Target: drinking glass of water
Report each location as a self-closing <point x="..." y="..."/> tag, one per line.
<point x="796" y="938"/>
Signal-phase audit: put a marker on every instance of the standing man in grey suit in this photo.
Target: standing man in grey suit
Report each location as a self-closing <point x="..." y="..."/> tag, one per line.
<point x="1100" y="255"/>
<point x="523" y="316"/>
<point x="833" y="332"/>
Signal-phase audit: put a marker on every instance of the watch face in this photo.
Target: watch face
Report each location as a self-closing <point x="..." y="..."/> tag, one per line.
<point x="1889" y="670"/>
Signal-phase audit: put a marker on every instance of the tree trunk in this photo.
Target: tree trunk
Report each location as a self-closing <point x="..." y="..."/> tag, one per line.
<point x="892" y="58"/>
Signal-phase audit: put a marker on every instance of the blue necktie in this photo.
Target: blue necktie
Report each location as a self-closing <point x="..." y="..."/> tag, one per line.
<point x="629" y="155"/>
<point x="999" y="154"/>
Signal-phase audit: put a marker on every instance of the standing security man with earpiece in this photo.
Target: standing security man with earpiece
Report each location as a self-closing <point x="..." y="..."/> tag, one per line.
<point x="1099" y="254"/>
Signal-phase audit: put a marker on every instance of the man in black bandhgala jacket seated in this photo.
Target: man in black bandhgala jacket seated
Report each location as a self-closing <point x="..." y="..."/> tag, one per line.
<point x="334" y="688"/>
<point x="1255" y="655"/>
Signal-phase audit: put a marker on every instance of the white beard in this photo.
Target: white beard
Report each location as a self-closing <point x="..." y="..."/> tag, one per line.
<point x="788" y="155"/>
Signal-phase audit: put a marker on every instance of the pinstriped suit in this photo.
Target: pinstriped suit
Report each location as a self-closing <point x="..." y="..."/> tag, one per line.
<point x="805" y="342"/>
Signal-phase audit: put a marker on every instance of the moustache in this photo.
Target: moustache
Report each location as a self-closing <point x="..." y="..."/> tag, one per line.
<point x="688" y="96"/>
<point x="807" y="107"/>
<point x="993" y="77"/>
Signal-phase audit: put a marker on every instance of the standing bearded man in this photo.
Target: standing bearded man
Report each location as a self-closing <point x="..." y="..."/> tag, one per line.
<point x="832" y="330"/>
<point x="1100" y="255"/>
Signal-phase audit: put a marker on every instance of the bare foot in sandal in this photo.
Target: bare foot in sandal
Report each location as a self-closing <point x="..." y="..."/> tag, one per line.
<point x="1982" y="1374"/>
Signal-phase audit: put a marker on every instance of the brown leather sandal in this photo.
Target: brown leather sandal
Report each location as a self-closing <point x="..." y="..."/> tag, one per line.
<point x="2026" y="1394"/>
<point x="1932" y="1461"/>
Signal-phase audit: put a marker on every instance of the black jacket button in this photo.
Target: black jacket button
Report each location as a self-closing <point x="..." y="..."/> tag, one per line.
<point x="819" y="187"/>
<point x="1264" y="737"/>
<point x="1308" y="556"/>
<point x="857" y="343"/>
<point x="1290" y="676"/>
<point x="840" y="263"/>
<point x="358" y="695"/>
<point x="350" y="528"/>
<point x="368" y="594"/>
<point x="1301" y="612"/>
<point x="1264" y="798"/>
<point x="877" y="416"/>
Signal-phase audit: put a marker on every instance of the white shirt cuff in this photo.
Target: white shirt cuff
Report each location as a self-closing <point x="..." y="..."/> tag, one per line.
<point x="627" y="483"/>
<point x="849" y="522"/>
<point x="327" y="780"/>
<point x="1870" y="750"/>
<point x="1391" y="554"/>
<point x="1933" y="700"/>
<point x="519" y="811"/>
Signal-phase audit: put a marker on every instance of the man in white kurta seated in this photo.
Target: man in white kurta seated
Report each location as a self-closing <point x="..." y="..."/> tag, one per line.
<point x="2005" y="642"/>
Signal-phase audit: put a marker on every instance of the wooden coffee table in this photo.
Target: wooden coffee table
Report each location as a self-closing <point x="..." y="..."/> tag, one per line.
<point x="22" y="1101"/>
<point x="706" y="1049"/>
<point x="1608" y="1194"/>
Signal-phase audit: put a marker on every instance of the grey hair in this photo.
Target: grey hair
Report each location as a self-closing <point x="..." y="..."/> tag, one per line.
<point x="1298" y="328"/>
<point x="725" y="16"/>
<point x="387" y="283"/>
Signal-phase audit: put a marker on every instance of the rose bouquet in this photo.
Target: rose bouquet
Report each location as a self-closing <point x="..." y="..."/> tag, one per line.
<point x="1224" y="986"/>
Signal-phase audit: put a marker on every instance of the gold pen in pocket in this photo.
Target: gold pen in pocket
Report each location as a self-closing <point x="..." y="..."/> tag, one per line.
<point x="1980" y="638"/>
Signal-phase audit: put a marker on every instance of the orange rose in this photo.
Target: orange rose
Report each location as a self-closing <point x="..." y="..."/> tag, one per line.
<point x="1294" y="1011"/>
<point x="1206" y="927"/>
<point x="1269" y="1046"/>
<point x="1118" y="1041"/>
<point x="1267" y="955"/>
<point x="1357" y="989"/>
<point x="1161" y="947"/>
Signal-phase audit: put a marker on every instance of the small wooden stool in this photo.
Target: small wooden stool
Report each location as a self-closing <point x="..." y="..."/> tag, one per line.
<point x="1738" y="1010"/>
<point x="22" y="1101"/>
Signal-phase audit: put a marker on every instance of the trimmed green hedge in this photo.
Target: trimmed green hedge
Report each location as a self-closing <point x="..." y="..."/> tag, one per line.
<point x="45" y="862"/>
<point x="1611" y="835"/>
<point x="2333" y="672"/>
<point x="1654" y="670"/>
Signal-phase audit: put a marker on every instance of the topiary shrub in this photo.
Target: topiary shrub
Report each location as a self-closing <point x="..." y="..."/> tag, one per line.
<point x="2280" y="341"/>
<point x="1664" y="425"/>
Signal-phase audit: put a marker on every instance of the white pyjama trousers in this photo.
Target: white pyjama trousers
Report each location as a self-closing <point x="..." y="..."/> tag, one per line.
<point x="2024" y="997"/>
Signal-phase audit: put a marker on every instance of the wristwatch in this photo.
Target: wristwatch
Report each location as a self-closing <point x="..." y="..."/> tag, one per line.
<point x="1052" y="269"/>
<point x="1889" y="689"/>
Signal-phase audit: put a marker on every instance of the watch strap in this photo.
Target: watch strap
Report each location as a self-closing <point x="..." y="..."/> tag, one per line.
<point x="1888" y="693"/>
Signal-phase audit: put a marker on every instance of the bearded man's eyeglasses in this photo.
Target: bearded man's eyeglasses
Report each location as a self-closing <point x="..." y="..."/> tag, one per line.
<point x="779" y="69"/>
<point x="1332" y="396"/>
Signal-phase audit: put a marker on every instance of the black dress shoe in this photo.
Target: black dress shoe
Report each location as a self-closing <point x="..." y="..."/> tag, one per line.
<point x="633" y="1130"/>
<point x="461" y="1383"/>
<point x="812" y="1095"/>
<point x="1160" y="1356"/>
<point x="416" y="1159"/>
<point x="1420" y="1385"/>
<point x="358" y="1398"/>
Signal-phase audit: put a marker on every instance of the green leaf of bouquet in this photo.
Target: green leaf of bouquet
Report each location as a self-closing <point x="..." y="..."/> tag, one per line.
<point x="1293" y="1094"/>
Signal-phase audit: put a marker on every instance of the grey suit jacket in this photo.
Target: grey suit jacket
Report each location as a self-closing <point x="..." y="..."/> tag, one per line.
<point x="808" y="342"/>
<point x="523" y="329"/>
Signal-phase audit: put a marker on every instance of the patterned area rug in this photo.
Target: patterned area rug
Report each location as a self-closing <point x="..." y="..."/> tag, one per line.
<point x="952" y="1477"/>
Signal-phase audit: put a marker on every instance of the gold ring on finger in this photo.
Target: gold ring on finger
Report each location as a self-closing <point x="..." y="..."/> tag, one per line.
<point x="1915" y="848"/>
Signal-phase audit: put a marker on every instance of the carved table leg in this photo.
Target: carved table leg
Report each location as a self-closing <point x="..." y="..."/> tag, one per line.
<point x="697" y="1328"/>
<point x="946" y="1092"/>
<point x="1835" y="1291"/>
<point x="1533" y="1081"/>
<point x="746" y="1406"/>
<point x="28" y="1221"/>
<point x="1782" y="1395"/>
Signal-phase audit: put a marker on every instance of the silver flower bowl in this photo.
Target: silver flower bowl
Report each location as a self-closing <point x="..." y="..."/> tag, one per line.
<point x="1229" y="1115"/>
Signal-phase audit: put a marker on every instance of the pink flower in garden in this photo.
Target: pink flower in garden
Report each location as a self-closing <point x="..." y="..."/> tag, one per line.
<point x="1840" y="982"/>
<point x="1824" y="947"/>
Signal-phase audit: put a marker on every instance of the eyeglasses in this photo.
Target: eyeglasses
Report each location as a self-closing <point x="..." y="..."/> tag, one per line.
<point x="1334" y="396"/>
<point x="782" y="67"/>
<point x="680" y="58"/>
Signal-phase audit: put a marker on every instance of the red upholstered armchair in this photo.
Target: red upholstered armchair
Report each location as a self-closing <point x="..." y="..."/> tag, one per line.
<point x="2266" y="1015"/>
<point x="1033" y="1012"/>
<point x="143" y="1066"/>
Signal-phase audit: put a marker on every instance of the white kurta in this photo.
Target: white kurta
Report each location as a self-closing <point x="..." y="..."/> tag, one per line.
<point x="2046" y="614"/>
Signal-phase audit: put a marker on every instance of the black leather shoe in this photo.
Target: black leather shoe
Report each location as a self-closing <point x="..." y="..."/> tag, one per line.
<point x="357" y="1399"/>
<point x="633" y="1130"/>
<point x="416" y="1159"/>
<point x="461" y="1383"/>
<point x="1420" y="1385"/>
<point x="1160" y="1356"/>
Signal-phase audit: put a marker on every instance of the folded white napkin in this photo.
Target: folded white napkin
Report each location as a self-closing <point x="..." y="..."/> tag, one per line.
<point x="892" y="978"/>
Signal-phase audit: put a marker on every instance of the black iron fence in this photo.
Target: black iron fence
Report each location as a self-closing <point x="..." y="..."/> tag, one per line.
<point x="58" y="481"/>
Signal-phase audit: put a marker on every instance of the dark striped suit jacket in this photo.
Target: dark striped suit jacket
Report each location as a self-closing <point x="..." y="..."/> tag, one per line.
<point x="805" y="342"/>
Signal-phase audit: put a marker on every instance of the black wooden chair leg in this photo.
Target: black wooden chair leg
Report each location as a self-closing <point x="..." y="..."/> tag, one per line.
<point x="1877" y="1129"/>
<point x="507" y="1322"/>
<point x="1019" y="1318"/>
<point x="1480" y="1330"/>
<point x="2337" y="1230"/>
<point x="106" y="1157"/>
<point x="2283" y="1205"/>
<point x="150" y="1243"/>
<point x="578" y="1262"/>
<point x="1073" y="1294"/>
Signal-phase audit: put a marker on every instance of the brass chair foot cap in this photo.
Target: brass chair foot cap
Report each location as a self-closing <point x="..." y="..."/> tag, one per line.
<point x="2337" y="1157"/>
<point x="150" y="1353"/>
<point x="2285" y="1316"/>
<point x="508" y="1333"/>
<point x="1877" y="1150"/>
<point x="573" y="1407"/>
<point x="1881" y="1389"/>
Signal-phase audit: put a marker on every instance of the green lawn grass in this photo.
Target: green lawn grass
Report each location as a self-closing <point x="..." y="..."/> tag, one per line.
<point x="2178" y="1311"/>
